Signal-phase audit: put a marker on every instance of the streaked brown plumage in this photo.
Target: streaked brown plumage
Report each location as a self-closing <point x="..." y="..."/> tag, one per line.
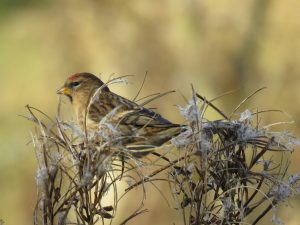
<point x="140" y="127"/>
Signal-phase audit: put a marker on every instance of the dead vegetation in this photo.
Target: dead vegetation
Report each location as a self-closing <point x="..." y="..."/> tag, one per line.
<point x="229" y="171"/>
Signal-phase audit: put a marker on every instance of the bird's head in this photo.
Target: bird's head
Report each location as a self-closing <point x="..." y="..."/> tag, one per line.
<point x="81" y="85"/>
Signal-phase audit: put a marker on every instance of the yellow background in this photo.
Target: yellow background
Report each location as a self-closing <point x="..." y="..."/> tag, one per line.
<point x="216" y="45"/>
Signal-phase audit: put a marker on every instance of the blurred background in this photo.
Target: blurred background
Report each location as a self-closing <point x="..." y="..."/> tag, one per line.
<point x="218" y="46"/>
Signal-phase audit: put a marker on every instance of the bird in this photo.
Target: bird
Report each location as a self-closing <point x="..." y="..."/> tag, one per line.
<point x="140" y="129"/>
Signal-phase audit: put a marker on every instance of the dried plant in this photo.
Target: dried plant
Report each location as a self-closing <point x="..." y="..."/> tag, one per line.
<point x="229" y="171"/>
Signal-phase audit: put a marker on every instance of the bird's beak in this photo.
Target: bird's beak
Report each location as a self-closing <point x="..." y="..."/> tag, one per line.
<point x="64" y="91"/>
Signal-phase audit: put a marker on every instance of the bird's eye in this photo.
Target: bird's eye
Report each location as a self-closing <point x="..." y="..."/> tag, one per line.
<point x="74" y="84"/>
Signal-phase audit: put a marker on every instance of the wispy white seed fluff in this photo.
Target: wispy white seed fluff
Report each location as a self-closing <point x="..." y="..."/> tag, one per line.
<point x="281" y="192"/>
<point x="190" y="112"/>
<point x="246" y="116"/>
<point x="294" y="179"/>
<point x="182" y="140"/>
<point x="42" y="176"/>
<point x="276" y="220"/>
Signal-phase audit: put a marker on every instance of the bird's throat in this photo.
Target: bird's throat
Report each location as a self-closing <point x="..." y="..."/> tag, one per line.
<point x="70" y="98"/>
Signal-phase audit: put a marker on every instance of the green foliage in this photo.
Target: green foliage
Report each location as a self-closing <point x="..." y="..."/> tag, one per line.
<point x="9" y="5"/>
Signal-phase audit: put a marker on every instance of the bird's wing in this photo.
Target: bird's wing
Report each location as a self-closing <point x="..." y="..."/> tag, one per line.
<point x="142" y="117"/>
<point x="126" y="112"/>
<point x="135" y="115"/>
